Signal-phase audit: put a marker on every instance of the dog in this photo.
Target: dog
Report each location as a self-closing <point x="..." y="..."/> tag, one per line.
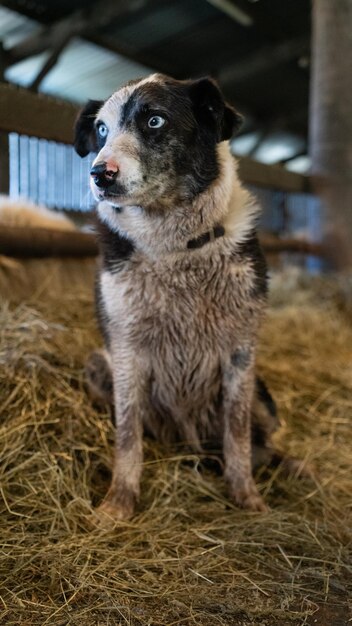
<point x="182" y="286"/>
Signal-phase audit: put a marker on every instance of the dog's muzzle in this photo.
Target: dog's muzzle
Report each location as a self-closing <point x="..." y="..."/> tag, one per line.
<point x="103" y="177"/>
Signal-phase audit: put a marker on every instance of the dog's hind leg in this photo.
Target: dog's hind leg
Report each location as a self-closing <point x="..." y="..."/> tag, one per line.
<point x="264" y="422"/>
<point x="238" y="384"/>
<point x="99" y="377"/>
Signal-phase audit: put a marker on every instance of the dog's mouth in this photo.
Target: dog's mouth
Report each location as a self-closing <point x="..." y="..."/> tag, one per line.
<point x="116" y="200"/>
<point x="113" y="194"/>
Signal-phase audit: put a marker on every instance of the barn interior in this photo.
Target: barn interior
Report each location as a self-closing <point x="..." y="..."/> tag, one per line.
<point x="188" y="556"/>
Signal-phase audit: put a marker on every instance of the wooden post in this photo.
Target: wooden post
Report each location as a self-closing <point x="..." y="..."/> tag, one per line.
<point x="331" y="123"/>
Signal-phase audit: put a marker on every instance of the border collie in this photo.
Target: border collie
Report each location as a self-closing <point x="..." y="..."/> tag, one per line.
<point x="182" y="286"/>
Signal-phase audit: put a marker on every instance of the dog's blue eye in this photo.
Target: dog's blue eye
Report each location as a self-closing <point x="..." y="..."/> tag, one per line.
<point x="156" y="121"/>
<point x="102" y="131"/>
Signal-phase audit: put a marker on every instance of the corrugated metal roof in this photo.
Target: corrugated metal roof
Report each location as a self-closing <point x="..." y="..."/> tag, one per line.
<point x="83" y="71"/>
<point x="14" y="27"/>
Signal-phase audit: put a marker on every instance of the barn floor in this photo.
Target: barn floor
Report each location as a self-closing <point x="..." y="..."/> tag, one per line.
<point x="188" y="557"/>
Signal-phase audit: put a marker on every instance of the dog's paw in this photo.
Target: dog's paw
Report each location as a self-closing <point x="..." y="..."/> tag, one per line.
<point x="290" y="467"/>
<point x="249" y="498"/>
<point x="108" y="515"/>
<point x="293" y="468"/>
<point x="254" y="502"/>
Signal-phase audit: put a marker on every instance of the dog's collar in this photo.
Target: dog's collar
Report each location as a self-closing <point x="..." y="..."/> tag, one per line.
<point x="210" y="235"/>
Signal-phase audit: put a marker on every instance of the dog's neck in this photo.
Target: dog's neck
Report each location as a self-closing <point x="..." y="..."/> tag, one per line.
<point x="225" y="205"/>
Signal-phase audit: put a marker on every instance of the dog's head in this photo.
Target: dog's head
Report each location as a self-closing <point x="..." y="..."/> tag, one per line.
<point x="156" y="140"/>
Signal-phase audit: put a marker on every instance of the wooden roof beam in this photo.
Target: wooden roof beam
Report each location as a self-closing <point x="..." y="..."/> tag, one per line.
<point x="233" y="11"/>
<point x="264" y="59"/>
<point x="36" y="115"/>
<point x="49" y="63"/>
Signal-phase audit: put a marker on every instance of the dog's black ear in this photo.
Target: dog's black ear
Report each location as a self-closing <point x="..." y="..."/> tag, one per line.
<point x="211" y="108"/>
<point x="85" y="138"/>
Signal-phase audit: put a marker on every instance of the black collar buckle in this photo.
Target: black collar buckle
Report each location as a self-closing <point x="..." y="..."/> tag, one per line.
<point x="210" y="235"/>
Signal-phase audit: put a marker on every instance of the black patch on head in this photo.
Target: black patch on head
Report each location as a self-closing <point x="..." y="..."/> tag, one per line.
<point x="182" y="149"/>
<point x="250" y="250"/>
<point x="241" y="358"/>
<point x="85" y="140"/>
<point x="115" y="249"/>
<point x="212" y="111"/>
<point x="265" y="396"/>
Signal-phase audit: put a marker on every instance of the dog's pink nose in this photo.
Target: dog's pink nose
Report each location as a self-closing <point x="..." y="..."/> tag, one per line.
<point x="111" y="168"/>
<point x="102" y="176"/>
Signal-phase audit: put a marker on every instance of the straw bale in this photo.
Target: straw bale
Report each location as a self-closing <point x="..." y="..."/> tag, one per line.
<point x="188" y="557"/>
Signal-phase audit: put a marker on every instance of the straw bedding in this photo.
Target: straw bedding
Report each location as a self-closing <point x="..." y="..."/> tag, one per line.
<point x="189" y="556"/>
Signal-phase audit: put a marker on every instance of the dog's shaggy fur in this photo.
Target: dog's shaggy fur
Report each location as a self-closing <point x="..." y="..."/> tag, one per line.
<point x="182" y="286"/>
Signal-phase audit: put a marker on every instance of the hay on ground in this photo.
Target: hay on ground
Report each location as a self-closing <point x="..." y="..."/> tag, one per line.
<point x="189" y="557"/>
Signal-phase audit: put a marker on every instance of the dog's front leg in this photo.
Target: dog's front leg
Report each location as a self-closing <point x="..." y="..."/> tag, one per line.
<point x="238" y="382"/>
<point x="131" y="402"/>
